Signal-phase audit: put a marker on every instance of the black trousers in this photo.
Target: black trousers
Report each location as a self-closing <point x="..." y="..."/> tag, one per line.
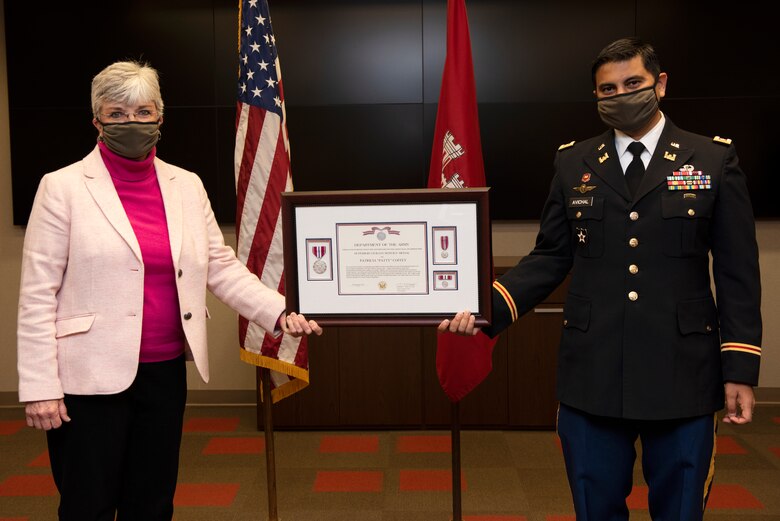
<point x="118" y="457"/>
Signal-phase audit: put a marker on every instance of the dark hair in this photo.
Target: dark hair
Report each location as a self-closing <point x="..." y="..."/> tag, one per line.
<point x="625" y="49"/>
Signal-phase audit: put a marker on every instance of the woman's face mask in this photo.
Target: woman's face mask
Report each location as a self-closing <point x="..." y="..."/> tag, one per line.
<point x="133" y="140"/>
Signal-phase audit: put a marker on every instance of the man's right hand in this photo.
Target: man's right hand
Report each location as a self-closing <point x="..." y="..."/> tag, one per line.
<point x="461" y="324"/>
<point x="46" y="414"/>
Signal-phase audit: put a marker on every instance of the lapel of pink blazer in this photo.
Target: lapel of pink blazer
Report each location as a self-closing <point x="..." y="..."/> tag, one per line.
<point x="171" y="195"/>
<point x="100" y="186"/>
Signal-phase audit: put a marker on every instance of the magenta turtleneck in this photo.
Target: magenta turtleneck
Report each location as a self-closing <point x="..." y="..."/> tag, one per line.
<point x="162" y="337"/>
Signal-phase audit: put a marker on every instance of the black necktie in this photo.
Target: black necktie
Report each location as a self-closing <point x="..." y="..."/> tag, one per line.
<point x="636" y="168"/>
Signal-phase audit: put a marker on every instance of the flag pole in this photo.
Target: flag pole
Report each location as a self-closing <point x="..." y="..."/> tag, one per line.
<point x="270" y="460"/>
<point x="456" y="500"/>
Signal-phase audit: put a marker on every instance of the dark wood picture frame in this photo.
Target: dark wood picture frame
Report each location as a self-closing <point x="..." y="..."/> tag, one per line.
<point x="292" y="201"/>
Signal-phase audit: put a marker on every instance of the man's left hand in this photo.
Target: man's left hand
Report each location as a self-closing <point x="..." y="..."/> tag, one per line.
<point x="740" y="401"/>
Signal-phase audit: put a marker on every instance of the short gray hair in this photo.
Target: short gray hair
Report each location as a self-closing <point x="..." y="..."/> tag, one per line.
<point x="127" y="82"/>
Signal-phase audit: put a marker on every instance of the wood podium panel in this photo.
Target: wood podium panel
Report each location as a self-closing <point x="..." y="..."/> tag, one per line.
<point x="385" y="377"/>
<point x="380" y="376"/>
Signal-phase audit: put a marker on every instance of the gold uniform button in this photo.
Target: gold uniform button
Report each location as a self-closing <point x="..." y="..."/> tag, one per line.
<point x="633" y="242"/>
<point x="578" y="215"/>
<point x="633" y="296"/>
<point x="633" y="269"/>
<point x="691" y="212"/>
<point x="709" y="329"/>
<point x="565" y="322"/>
<point x="633" y="216"/>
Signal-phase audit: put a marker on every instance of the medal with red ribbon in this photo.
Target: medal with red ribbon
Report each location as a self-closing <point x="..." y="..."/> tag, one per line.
<point x="319" y="265"/>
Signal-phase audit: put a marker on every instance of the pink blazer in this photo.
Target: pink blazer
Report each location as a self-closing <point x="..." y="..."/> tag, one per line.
<point x="81" y="297"/>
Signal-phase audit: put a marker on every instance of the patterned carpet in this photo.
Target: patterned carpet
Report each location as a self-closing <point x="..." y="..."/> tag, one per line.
<point x="386" y="475"/>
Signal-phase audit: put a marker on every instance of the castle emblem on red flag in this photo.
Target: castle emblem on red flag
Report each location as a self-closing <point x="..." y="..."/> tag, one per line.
<point x="449" y="152"/>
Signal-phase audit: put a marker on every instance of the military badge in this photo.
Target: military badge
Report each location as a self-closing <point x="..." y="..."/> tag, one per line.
<point x="585" y="177"/>
<point x="688" y="179"/>
<point x="583" y="188"/>
<point x="582" y="235"/>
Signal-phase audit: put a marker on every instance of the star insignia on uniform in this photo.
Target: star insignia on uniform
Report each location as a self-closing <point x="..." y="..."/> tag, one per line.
<point x="582" y="235"/>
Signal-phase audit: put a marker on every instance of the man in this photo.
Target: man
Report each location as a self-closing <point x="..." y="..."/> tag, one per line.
<point x="645" y="351"/>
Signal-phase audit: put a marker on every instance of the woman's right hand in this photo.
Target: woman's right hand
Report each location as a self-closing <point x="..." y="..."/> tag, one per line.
<point x="46" y="414"/>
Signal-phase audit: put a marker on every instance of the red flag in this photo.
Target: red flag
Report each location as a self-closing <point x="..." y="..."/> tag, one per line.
<point x="456" y="161"/>
<point x="262" y="170"/>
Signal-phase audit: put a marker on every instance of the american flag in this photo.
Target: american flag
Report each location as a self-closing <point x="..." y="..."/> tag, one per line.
<point x="262" y="169"/>
<point x="462" y="362"/>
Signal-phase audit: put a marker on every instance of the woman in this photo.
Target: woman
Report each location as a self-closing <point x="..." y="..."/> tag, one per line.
<point x="119" y="251"/>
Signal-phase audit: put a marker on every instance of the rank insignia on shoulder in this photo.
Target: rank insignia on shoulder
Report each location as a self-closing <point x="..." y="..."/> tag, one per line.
<point x="722" y="140"/>
<point x="566" y="145"/>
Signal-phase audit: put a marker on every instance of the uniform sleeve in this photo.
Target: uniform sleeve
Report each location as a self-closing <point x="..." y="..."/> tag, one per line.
<point x="539" y="273"/>
<point x="737" y="278"/>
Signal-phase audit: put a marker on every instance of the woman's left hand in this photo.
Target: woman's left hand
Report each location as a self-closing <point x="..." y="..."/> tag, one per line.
<point x="296" y="325"/>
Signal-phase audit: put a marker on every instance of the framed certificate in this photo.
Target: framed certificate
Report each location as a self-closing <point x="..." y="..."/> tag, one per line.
<point x="387" y="257"/>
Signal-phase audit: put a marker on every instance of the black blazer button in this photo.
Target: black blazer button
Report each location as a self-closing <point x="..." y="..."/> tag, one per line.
<point x="187" y="315"/>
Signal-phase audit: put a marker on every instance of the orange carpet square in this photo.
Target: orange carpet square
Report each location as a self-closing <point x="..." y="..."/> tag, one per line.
<point x="41" y="461"/>
<point x="335" y="444"/>
<point x="495" y="518"/>
<point x="424" y="444"/>
<point x="560" y="518"/>
<point x="28" y="485"/>
<point x="8" y="427"/>
<point x="775" y="450"/>
<point x="348" y="481"/>
<point x="637" y="500"/>
<point x="728" y="445"/>
<point x="732" y="496"/>
<point x="211" y="425"/>
<point x="428" y="480"/>
<point x="14" y="518"/>
<point x="205" y="494"/>
<point x="253" y="445"/>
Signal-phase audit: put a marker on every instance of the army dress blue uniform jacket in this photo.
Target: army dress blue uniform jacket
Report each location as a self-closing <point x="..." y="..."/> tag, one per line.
<point x="643" y="336"/>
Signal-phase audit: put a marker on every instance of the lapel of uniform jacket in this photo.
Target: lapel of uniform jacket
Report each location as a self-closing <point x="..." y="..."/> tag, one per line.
<point x="668" y="157"/>
<point x="171" y="195"/>
<point x="603" y="161"/>
<point x="101" y="187"/>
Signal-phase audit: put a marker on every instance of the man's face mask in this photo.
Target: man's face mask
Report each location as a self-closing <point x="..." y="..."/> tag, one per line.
<point x="133" y="139"/>
<point x="630" y="111"/>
